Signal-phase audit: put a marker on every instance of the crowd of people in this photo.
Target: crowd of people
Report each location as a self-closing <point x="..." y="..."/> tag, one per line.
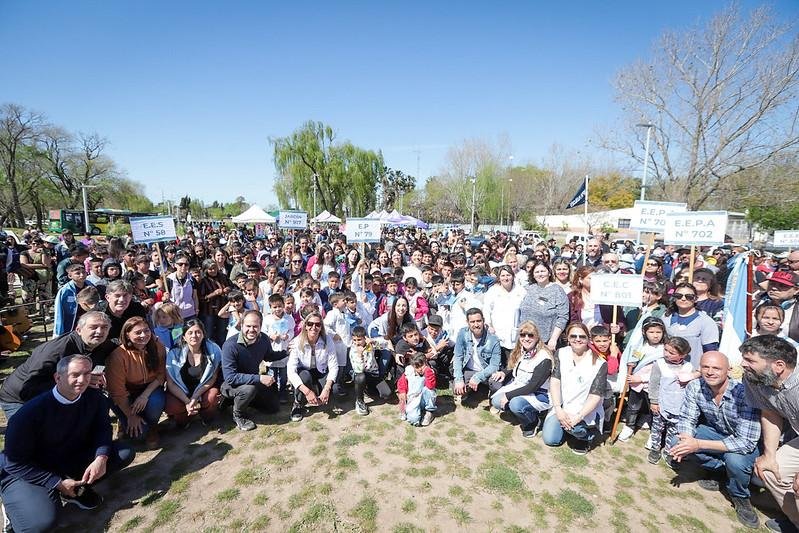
<point x="230" y="320"/>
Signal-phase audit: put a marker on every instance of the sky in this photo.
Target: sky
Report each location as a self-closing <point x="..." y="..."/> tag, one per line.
<point x="188" y="94"/>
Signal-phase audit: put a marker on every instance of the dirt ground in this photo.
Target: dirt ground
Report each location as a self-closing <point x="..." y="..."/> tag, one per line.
<point x="469" y="469"/>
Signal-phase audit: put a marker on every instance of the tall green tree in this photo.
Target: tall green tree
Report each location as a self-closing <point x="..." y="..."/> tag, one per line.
<point x="393" y="185"/>
<point x="343" y="175"/>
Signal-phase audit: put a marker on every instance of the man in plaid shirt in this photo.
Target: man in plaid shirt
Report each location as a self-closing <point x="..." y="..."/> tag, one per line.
<point x="719" y="429"/>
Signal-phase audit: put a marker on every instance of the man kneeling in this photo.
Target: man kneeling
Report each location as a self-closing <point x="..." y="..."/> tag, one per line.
<point x="57" y="446"/>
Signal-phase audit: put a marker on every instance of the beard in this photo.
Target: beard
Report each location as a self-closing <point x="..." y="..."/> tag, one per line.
<point x="767" y="377"/>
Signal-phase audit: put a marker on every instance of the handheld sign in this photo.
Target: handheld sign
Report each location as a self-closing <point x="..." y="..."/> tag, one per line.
<point x="617" y="289"/>
<point x="651" y="216"/>
<point x="786" y="238"/>
<point x="363" y="230"/>
<point x="293" y="220"/>
<point x="700" y="228"/>
<point x="152" y="229"/>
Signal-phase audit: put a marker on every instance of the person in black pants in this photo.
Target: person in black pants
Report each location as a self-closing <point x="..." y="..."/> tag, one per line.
<point x="57" y="446"/>
<point x="242" y="381"/>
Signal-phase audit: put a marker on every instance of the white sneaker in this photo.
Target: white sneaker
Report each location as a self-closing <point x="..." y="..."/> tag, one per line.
<point x="361" y="408"/>
<point x="428" y="418"/>
<point x="626" y="433"/>
<point x="495" y="411"/>
<point x="649" y="444"/>
<point x="645" y="425"/>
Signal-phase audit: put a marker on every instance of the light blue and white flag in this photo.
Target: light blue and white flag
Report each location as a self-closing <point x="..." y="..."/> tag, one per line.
<point x="734" y="321"/>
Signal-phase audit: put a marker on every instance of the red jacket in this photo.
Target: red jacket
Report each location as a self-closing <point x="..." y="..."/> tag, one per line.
<point x="429" y="381"/>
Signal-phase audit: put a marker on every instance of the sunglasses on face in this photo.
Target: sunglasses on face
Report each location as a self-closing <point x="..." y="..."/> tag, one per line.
<point x="684" y="296"/>
<point x="182" y="264"/>
<point x="652" y="264"/>
<point x="310" y="325"/>
<point x="578" y="336"/>
<point x="526" y="335"/>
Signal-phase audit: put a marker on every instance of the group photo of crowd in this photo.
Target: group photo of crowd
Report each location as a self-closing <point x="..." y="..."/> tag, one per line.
<point x="220" y="324"/>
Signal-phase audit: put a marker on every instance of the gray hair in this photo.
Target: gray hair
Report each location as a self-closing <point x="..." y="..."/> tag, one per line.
<point x="63" y="363"/>
<point x="94" y="314"/>
<point x="119" y="285"/>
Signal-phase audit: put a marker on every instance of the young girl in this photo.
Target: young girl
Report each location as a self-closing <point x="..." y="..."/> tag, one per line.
<point x="641" y="361"/>
<point x="769" y="318"/>
<point x="667" y="384"/>
<point x="418" y="305"/>
<point x="168" y="325"/>
<point x="416" y="389"/>
<point x="233" y="312"/>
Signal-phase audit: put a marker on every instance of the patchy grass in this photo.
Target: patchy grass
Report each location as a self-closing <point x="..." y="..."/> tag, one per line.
<point x="260" y="523"/>
<point x="683" y="522"/>
<point x="408" y="506"/>
<point x="585" y="483"/>
<point x="565" y="457"/>
<point x="567" y="505"/>
<point x="227" y="495"/>
<point x="501" y="478"/>
<point x="167" y="511"/>
<point x="309" y="493"/>
<point x="316" y="514"/>
<point x="132" y="524"/>
<point x="366" y="513"/>
<point x="314" y="425"/>
<point x="353" y="439"/>
<point x="460" y="515"/>
<point x="249" y="476"/>
<point x="405" y="527"/>
<point x="261" y="498"/>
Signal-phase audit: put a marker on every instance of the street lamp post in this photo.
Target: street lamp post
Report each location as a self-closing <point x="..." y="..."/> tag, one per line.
<point x="314" y="195"/>
<point x="86" y="206"/>
<point x="510" y="195"/>
<point x="474" y="197"/>
<point x="648" y="126"/>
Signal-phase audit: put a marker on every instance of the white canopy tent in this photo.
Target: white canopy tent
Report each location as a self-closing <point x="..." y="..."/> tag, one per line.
<point x="254" y="215"/>
<point x="326" y="218"/>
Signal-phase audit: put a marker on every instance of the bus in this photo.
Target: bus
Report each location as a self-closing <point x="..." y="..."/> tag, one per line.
<point x="99" y="219"/>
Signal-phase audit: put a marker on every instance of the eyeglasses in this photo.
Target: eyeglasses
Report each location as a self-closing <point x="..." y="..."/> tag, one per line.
<point x="526" y="335"/>
<point x="296" y="260"/>
<point x="652" y="264"/>
<point x="578" y="336"/>
<point x="684" y="296"/>
<point x="310" y="325"/>
<point x="610" y="261"/>
<point x="778" y="286"/>
<point x="182" y="264"/>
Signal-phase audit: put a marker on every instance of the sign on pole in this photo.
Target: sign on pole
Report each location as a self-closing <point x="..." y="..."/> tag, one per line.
<point x="293" y="220"/>
<point x="651" y="216"/>
<point x="363" y="230"/>
<point x="152" y="229"/>
<point x="617" y="289"/>
<point x="786" y="238"/>
<point x="700" y="228"/>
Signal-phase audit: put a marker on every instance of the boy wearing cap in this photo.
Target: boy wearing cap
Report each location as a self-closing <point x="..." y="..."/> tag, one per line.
<point x="783" y="287"/>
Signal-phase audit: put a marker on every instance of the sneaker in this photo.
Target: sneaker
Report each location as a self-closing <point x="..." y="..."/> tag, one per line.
<point x="781" y="525"/>
<point x="626" y="434"/>
<point x="403" y="417"/>
<point x="361" y="408"/>
<point x="654" y="456"/>
<point x="244" y="424"/>
<point x="746" y="513"/>
<point x="458" y="399"/>
<point x="645" y="425"/>
<point x="6" y="522"/>
<point x="709" y="484"/>
<point x="650" y="445"/>
<point x="297" y="413"/>
<point x="427" y="419"/>
<point x="581" y="447"/>
<point x="86" y="498"/>
<point x="528" y="432"/>
<point x="494" y="411"/>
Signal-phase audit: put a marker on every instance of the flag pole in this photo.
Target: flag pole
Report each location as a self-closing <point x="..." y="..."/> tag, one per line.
<point x="585" y="214"/>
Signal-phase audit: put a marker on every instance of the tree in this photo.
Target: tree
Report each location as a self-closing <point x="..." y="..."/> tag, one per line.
<point x="612" y="191"/>
<point x="19" y="131"/>
<point x="721" y="99"/>
<point x="343" y="175"/>
<point x="393" y="185"/>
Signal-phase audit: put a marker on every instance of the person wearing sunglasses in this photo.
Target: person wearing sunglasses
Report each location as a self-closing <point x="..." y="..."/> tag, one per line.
<point x="708" y="294"/>
<point x="684" y="320"/>
<point x="576" y="389"/>
<point x="523" y="386"/>
<point x="313" y="365"/>
<point x="182" y="289"/>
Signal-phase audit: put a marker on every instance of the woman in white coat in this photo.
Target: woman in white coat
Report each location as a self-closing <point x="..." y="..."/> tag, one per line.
<point x="501" y="309"/>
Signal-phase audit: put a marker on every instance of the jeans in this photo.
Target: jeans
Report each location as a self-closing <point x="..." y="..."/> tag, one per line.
<point x="10" y="408"/>
<point x="738" y="465"/>
<point x="385" y="359"/>
<point x="34" y="508"/>
<point x="428" y="403"/>
<point x="363" y="380"/>
<point x="314" y="380"/>
<point x="151" y="413"/>
<point x="256" y="394"/>
<point x="554" y="434"/>
<point x="524" y="411"/>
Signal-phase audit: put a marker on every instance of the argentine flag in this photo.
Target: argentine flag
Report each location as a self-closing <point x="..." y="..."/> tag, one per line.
<point x="734" y="323"/>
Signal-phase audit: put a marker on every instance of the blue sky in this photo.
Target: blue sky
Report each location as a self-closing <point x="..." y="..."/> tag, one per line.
<point x="188" y="93"/>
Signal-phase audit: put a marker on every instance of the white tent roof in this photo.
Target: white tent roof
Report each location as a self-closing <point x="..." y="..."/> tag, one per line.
<point x="325" y="217"/>
<point x="254" y="215"/>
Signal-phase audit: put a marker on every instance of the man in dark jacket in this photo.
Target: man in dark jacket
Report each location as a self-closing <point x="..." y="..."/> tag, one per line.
<point x="35" y="375"/>
<point x="119" y="307"/>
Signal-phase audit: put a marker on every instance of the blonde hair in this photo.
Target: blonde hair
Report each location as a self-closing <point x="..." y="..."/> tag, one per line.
<point x="527" y="327"/>
<point x="168" y="310"/>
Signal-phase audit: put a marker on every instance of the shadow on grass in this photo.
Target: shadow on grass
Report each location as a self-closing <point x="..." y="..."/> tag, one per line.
<point x="144" y="484"/>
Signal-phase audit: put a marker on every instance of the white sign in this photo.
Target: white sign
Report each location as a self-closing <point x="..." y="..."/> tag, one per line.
<point x="651" y="216"/>
<point x="293" y="220"/>
<point x="617" y="289"/>
<point x="700" y="228"/>
<point x="152" y="229"/>
<point x="363" y="230"/>
<point x="786" y="238"/>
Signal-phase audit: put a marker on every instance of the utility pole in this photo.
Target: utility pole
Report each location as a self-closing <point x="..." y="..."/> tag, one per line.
<point x="648" y="126"/>
<point x="474" y="197"/>
<point x="86" y="206"/>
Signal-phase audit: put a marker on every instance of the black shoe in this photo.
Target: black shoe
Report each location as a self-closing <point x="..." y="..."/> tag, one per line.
<point x="86" y="498"/>
<point x="709" y="484"/>
<point x="528" y="432"/>
<point x="746" y="513"/>
<point x="244" y="424"/>
<point x="297" y="413"/>
<point x="781" y="525"/>
<point x="581" y="447"/>
<point x="654" y="456"/>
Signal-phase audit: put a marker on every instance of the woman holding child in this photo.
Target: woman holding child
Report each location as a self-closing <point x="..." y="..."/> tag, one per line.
<point x="523" y="387"/>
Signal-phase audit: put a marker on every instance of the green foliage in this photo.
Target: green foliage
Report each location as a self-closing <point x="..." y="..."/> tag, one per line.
<point x="117" y="229"/>
<point x="613" y="191"/>
<point x="501" y="478"/>
<point x="366" y="513"/>
<point x="774" y="217"/>
<point x="344" y="176"/>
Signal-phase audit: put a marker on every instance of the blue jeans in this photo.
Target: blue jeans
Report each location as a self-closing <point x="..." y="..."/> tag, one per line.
<point x="524" y="412"/>
<point x="151" y="413"/>
<point x="738" y="465"/>
<point x="34" y="508"/>
<point x="428" y="403"/>
<point x="10" y="408"/>
<point x="554" y="434"/>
